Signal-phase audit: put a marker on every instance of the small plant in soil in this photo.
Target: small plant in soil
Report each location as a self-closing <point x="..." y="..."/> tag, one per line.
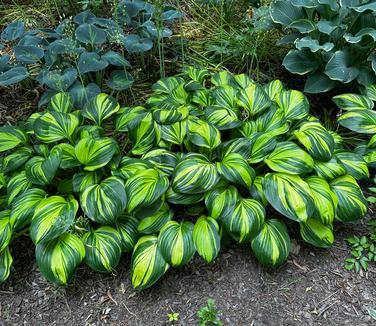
<point x="173" y="316"/>
<point x="208" y="315"/>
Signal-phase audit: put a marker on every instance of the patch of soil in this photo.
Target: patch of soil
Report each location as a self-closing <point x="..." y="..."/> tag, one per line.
<point x="312" y="288"/>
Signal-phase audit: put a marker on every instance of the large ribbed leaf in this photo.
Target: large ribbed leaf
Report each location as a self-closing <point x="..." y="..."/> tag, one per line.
<point x="175" y="242"/>
<point x="290" y="195"/>
<point x="273" y="122"/>
<point x="254" y="99"/>
<point x="103" y="248"/>
<point x="351" y="202"/>
<point x="174" y="133"/>
<point x="127" y="228"/>
<point x="17" y="185"/>
<point x="273" y="89"/>
<point x="226" y="96"/>
<point x="130" y="166"/>
<point x="353" y="102"/>
<point x="100" y="108"/>
<point x="289" y="158"/>
<point x="105" y="201"/>
<point x="5" y="229"/>
<point x="54" y="126"/>
<point x="144" y="188"/>
<point x="148" y="264"/>
<point x="95" y="153"/>
<point x="262" y="145"/>
<point x="329" y="170"/>
<point x="222" y="118"/>
<point x="294" y="104"/>
<point x="11" y="137"/>
<point x="58" y="258"/>
<point x="178" y="198"/>
<point x="156" y="221"/>
<point x="272" y="245"/>
<point x="52" y="217"/>
<point x="83" y="180"/>
<point x="220" y="202"/>
<point x="257" y="190"/>
<point x="318" y="142"/>
<point x="68" y="156"/>
<point x="246" y="221"/>
<point x="316" y="233"/>
<point x="162" y="160"/>
<point x="6" y="261"/>
<point x="354" y="164"/>
<point x="126" y="115"/>
<point x="61" y="102"/>
<point x="362" y="121"/>
<point x="203" y="134"/>
<point x="170" y="116"/>
<point x="16" y="159"/>
<point x="206" y="238"/>
<point x="195" y="174"/>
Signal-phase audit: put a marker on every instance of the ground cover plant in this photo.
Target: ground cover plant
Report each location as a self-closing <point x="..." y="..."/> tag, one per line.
<point x="209" y="156"/>
<point x="333" y="41"/>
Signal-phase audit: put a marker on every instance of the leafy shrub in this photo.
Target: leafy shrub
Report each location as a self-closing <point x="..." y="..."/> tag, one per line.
<point x="333" y="41"/>
<point x="85" y="54"/>
<point x="203" y="159"/>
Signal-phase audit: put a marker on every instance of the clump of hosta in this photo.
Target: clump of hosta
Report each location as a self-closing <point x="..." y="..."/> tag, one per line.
<point x="206" y="157"/>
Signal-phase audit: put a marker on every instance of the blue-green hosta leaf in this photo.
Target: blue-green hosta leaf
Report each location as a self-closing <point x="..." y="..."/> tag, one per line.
<point x="23" y="207"/>
<point x="300" y="62"/>
<point x="339" y="68"/>
<point x="194" y="175"/>
<point x="317" y="233"/>
<point x="127" y="228"/>
<point x="28" y="54"/>
<point x="369" y="33"/>
<point x="162" y="160"/>
<point x="52" y="217"/>
<point x="246" y="221"/>
<point x="254" y="99"/>
<point x="148" y="264"/>
<point x="17" y="185"/>
<point x="90" y="62"/>
<point x="354" y="164"/>
<point x="235" y="168"/>
<point x="135" y="44"/>
<point x="318" y="142"/>
<point x="85" y="17"/>
<point x="95" y="153"/>
<point x="41" y="170"/>
<point x="5" y="229"/>
<point x="90" y="34"/>
<point x="206" y="238"/>
<point x="351" y="202"/>
<point x="59" y="80"/>
<point x="13" y="76"/>
<point x="353" y="102"/>
<point x="103" y="248"/>
<point x="362" y="121"/>
<point x="16" y="159"/>
<point x="303" y="26"/>
<point x="13" y="31"/>
<point x="10" y="137"/>
<point x="57" y="259"/>
<point x="284" y="13"/>
<point x="324" y="199"/>
<point x="82" y="94"/>
<point x="220" y="202"/>
<point x="54" y="126"/>
<point x="100" y="108"/>
<point x="120" y="80"/>
<point x="175" y="242"/>
<point x="318" y="82"/>
<point x="154" y="223"/>
<point x="144" y="188"/>
<point x="290" y="195"/>
<point x="330" y="169"/>
<point x="6" y="261"/>
<point x="313" y="45"/>
<point x="294" y="104"/>
<point x="289" y="158"/>
<point x="116" y="59"/>
<point x="362" y="6"/>
<point x="61" y="102"/>
<point x="105" y="201"/>
<point x="304" y="3"/>
<point x="272" y="245"/>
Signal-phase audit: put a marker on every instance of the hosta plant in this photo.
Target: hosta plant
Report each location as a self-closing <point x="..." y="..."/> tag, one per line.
<point x="333" y="40"/>
<point x="207" y="156"/>
<point x="84" y="54"/>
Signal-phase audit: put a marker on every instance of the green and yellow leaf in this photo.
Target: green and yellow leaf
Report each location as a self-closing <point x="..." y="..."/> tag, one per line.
<point x="316" y="233"/>
<point x="100" y="108"/>
<point x="206" y="238"/>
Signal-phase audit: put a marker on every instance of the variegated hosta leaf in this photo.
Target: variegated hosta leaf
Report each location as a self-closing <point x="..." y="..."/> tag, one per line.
<point x="52" y="217"/>
<point x="273" y="89"/>
<point x="198" y="75"/>
<point x="294" y="104"/>
<point x="289" y="158"/>
<point x="353" y="102"/>
<point x="362" y="121"/>
<point x="130" y="166"/>
<point x="127" y="228"/>
<point x="100" y="107"/>
<point x="235" y="168"/>
<point x="222" y="118"/>
<point x="257" y="190"/>
<point x="23" y="207"/>
<point x="153" y="223"/>
<point x="105" y="201"/>
<point x="329" y="170"/>
<point x="144" y="211"/>
<point x="290" y="195"/>
<point x="6" y="261"/>
<point x="174" y="133"/>
<point x="162" y="160"/>
<point x="144" y="188"/>
<point x="272" y="245"/>
<point x="57" y="259"/>
<point x="351" y="202"/>
<point x="316" y="233"/>
<point x="243" y="80"/>
<point x="318" y="142"/>
<point x="370" y="92"/>
<point x="202" y="97"/>
<point x="148" y="264"/>
<point x="143" y="133"/>
<point x="206" y="238"/>
<point x="68" y="156"/>
<point x="262" y="145"/>
<point x="220" y="202"/>
<point x="273" y="122"/>
<point x="248" y="128"/>
<point x="83" y="180"/>
<point x="226" y="96"/>
<point x="222" y="78"/>
<point x="40" y="170"/>
<point x="10" y="137"/>
<point x="254" y="99"/>
<point x="324" y="198"/>
<point x="175" y="242"/>
<point x="103" y="248"/>
<point x="61" y="102"/>
<point x="354" y="164"/>
<point x="166" y="85"/>
<point x="241" y="146"/>
<point x="54" y="126"/>
<point x="170" y="116"/>
<point x="182" y="199"/>
<point x="95" y="153"/>
<point x="203" y="134"/>
<point x="16" y="159"/>
<point x="17" y="185"/>
<point x="5" y="229"/>
<point x="126" y="115"/>
<point x="194" y="175"/>
<point x="246" y="221"/>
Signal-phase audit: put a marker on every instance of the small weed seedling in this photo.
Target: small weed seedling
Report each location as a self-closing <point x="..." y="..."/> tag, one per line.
<point x="174" y="316"/>
<point x="209" y="314"/>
